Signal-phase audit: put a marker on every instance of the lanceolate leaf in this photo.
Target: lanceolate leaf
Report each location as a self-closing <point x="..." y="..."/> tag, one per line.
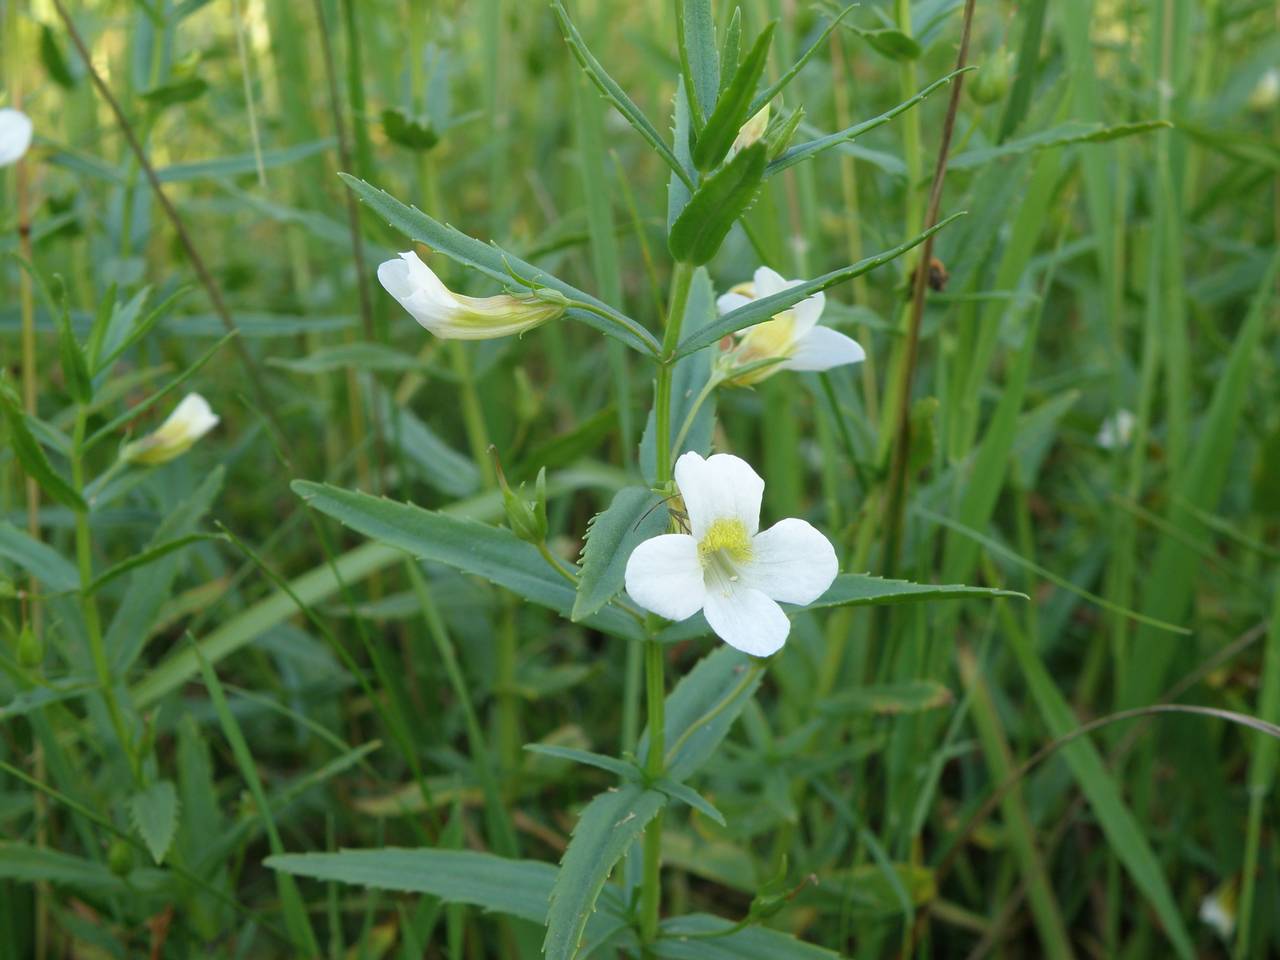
<point x="493" y="553"/>
<point x="1074" y="131"/>
<point x="54" y="572"/>
<point x="635" y="515"/>
<point x="154" y="812"/>
<point x="765" y="308"/>
<point x="804" y="151"/>
<point x="689" y="938"/>
<point x="911" y="696"/>
<point x="731" y="110"/>
<point x="605" y="831"/>
<point x="699" y="58"/>
<point x="33" y="460"/>
<point x="497" y="264"/>
<point x="702" y="708"/>
<point x="780" y="84"/>
<point x="720" y="200"/>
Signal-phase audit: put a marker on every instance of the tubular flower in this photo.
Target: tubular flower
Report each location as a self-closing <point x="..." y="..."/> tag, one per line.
<point x="752" y="130"/>
<point x="793" y="337"/>
<point x="452" y="316"/>
<point x="190" y="420"/>
<point x="15" y="136"/>
<point x="725" y="566"/>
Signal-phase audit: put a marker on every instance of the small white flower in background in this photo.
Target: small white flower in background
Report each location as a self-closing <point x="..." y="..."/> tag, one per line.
<point x="452" y="316"/>
<point x="1266" y="93"/>
<point x="1117" y="430"/>
<point x="752" y="130"/>
<point x="725" y="567"/>
<point x="190" y="420"/>
<point x="793" y="337"/>
<point x="15" y="135"/>
<point x="1218" y="909"/>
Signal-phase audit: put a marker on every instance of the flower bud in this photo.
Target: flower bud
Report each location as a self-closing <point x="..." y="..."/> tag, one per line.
<point x="992" y="81"/>
<point x="527" y="518"/>
<point x="120" y="857"/>
<point x="190" y="421"/>
<point x="30" y="648"/>
<point x="752" y="130"/>
<point x="452" y="316"/>
<point x="1266" y="93"/>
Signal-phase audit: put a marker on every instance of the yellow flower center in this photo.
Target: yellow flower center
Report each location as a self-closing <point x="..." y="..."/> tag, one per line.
<point x="727" y="537"/>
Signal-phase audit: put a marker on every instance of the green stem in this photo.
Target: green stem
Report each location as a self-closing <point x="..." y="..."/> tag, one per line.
<point x="89" y="606"/>
<point x="655" y="766"/>
<point x="681" y="279"/>
<point x="715" y="381"/>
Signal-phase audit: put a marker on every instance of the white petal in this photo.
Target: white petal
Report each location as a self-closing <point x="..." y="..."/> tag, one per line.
<point x="664" y="575"/>
<point x="194" y="415"/>
<point x="731" y="301"/>
<point x="747" y="620"/>
<point x="769" y="281"/>
<point x="720" y="487"/>
<point x="823" y="348"/>
<point x="791" y="562"/>
<point x="15" y="135"/>
<point x="808" y="311"/>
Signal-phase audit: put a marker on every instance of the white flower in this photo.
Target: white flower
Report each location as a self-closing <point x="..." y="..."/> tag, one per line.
<point x="1266" y="93"/>
<point x="725" y="567"/>
<point x="793" y="336"/>
<point x="190" y="420"/>
<point x="452" y="316"/>
<point x="15" y="135"/>
<point x="1117" y="430"/>
<point x="1218" y="909"/>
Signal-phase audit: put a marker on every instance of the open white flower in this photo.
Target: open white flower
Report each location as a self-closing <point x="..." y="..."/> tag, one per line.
<point x="793" y="337"/>
<point x="191" y="419"/>
<point x="1266" y="93"/>
<point x="725" y="567"/>
<point x="15" y="135"/>
<point x="452" y="316"/>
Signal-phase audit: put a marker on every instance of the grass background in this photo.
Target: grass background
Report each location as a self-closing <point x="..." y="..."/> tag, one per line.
<point x="1105" y="263"/>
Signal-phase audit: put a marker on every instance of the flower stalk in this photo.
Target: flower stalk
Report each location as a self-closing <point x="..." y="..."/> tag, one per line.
<point x="681" y="280"/>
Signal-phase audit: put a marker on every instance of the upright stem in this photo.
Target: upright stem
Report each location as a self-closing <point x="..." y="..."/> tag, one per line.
<point x="655" y="765"/>
<point x="681" y="279"/>
<point x="89" y="606"/>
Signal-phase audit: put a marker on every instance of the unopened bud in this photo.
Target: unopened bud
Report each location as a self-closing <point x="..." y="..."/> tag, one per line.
<point x="30" y="648"/>
<point x="992" y="81"/>
<point x="526" y="518"/>
<point x="120" y="857"/>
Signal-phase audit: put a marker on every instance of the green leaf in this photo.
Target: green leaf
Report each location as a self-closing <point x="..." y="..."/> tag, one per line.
<point x="702" y="708"/>
<point x="519" y="888"/>
<point x="716" y="205"/>
<point x="55" y="64"/>
<point x="605" y="831"/>
<point x="145" y="557"/>
<point x="635" y="515"/>
<point x="730" y="51"/>
<point x="31" y="456"/>
<point x="731" y="109"/>
<point x="74" y="368"/>
<point x="765" y="308"/>
<point x="890" y="699"/>
<point x="54" y="572"/>
<point x="415" y="133"/>
<point x="686" y="794"/>
<point x="476" y="548"/>
<point x="892" y="43"/>
<point x="680" y="184"/>
<point x="1073" y="131"/>
<point x="242" y="163"/>
<point x="775" y="88"/>
<point x="690" y="938"/>
<point x="28" y="864"/>
<point x="154" y="813"/>
<point x="859" y="590"/>
<point x="497" y="264"/>
<point x="699" y="60"/>
<point x="179" y="91"/>
<point x="609" y="88"/>
<point x="627" y="771"/>
<point x="804" y="151"/>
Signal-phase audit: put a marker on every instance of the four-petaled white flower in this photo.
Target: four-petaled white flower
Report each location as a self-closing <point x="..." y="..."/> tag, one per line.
<point x="452" y="316"/>
<point x="793" y="337"/>
<point x="191" y="419"/>
<point x="15" y="135"/>
<point x="725" y="567"/>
